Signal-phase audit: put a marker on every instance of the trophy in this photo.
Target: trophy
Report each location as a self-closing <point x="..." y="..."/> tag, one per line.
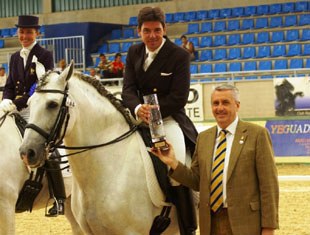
<point x="156" y="123"/>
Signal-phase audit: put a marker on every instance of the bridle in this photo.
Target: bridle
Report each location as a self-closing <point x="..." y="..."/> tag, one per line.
<point x="55" y="137"/>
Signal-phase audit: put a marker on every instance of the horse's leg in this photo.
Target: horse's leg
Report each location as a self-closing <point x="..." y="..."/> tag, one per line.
<point x="7" y="214"/>
<point x="76" y="230"/>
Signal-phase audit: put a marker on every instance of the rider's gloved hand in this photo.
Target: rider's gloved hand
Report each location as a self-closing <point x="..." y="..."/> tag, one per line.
<point x="7" y="105"/>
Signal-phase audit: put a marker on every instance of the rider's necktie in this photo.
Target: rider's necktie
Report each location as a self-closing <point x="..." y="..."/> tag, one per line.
<point x="24" y="53"/>
<point x="216" y="197"/>
<point x="149" y="59"/>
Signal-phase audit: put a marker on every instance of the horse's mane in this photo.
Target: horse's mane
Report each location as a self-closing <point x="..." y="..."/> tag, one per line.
<point x="117" y="103"/>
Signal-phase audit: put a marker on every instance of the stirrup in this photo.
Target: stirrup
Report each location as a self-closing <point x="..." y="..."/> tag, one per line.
<point x="58" y="207"/>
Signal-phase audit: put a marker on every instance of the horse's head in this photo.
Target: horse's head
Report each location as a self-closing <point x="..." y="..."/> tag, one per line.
<point x="48" y="113"/>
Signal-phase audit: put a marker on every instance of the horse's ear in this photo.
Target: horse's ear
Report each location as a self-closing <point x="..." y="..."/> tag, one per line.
<point x="40" y="69"/>
<point x="67" y="73"/>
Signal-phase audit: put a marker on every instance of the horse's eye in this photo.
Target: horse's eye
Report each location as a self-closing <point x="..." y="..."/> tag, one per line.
<point x="52" y="105"/>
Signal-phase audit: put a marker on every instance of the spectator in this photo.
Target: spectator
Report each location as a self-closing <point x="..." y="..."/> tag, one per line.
<point x="2" y="76"/>
<point x="117" y="67"/>
<point x="189" y="46"/>
<point x="104" y="66"/>
<point x="61" y="65"/>
<point x="93" y="73"/>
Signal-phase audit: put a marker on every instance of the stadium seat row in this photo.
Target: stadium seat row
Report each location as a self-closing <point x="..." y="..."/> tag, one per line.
<point x="254" y="52"/>
<point x="250" y="66"/>
<point x="246" y="24"/>
<point x="249" y="38"/>
<point x="278" y="8"/>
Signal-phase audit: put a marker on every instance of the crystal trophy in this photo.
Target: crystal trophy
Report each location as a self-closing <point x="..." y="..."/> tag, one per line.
<point x="156" y="123"/>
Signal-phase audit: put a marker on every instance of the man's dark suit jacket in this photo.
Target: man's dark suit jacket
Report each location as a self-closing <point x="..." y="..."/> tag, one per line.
<point x="21" y="79"/>
<point x="168" y="76"/>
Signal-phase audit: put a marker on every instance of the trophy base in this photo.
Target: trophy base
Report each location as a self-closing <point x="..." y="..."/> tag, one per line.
<point x="162" y="145"/>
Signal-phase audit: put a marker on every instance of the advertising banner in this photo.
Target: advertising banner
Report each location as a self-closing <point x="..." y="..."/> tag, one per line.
<point x="194" y="107"/>
<point x="292" y="96"/>
<point x="290" y="137"/>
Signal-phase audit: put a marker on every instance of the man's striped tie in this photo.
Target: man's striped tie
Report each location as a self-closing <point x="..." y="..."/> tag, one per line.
<point x="216" y="198"/>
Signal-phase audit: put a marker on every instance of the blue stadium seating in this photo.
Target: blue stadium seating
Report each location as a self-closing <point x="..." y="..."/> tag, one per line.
<point x="237" y="12"/>
<point x="249" y="52"/>
<point x="178" y="41"/>
<point x="193" y="28"/>
<point x="280" y="64"/>
<point x="219" y="26"/>
<point x="193" y="68"/>
<point x="304" y="19"/>
<point x="225" y="13"/>
<point x="288" y="7"/>
<point x="247" y="24"/>
<point x="292" y="35"/>
<point x="125" y="46"/>
<point x="116" y="34"/>
<point x="301" y="6"/>
<point x="128" y="33"/>
<point x="290" y="20"/>
<point x="305" y="35"/>
<point x="169" y="18"/>
<point x="219" y="40"/>
<point x="248" y="38"/>
<point x="190" y="16"/>
<point x="233" y="25"/>
<point x="233" y="39"/>
<point x="205" y="55"/>
<point x="5" y="33"/>
<point x="262" y="10"/>
<point x="179" y="17"/>
<point x="195" y="41"/>
<point x="206" y="27"/>
<point x="206" y="41"/>
<point x="114" y="47"/>
<point x="275" y="22"/>
<point x="275" y="8"/>
<point x="277" y="36"/>
<point x="278" y="50"/>
<point x="220" y="67"/>
<point x="263" y="51"/>
<point x="219" y="54"/>
<point x="265" y="65"/>
<point x="294" y="50"/>
<point x="133" y="21"/>
<point x="234" y="53"/>
<point x="306" y="50"/>
<point x="262" y="37"/>
<point x="250" y="10"/>
<point x="103" y="48"/>
<point x="261" y="23"/>
<point x="235" y="67"/>
<point x="1" y="43"/>
<point x="13" y="31"/>
<point x="202" y="15"/>
<point x="250" y="66"/>
<point x="213" y="13"/>
<point x="307" y="63"/>
<point x="296" y="63"/>
<point x="206" y="68"/>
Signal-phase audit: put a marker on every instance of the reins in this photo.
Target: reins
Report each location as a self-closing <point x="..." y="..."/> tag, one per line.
<point x="2" y="118"/>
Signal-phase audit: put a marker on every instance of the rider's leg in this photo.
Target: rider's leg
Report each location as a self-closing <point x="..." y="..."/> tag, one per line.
<point x="57" y="186"/>
<point x="182" y="196"/>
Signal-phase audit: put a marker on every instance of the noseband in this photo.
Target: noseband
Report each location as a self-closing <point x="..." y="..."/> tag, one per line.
<point x="54" y="138"/>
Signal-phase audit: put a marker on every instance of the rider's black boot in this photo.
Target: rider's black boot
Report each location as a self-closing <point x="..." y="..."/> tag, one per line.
<point x="183" y="201"/>
<point x="56" y="185"/>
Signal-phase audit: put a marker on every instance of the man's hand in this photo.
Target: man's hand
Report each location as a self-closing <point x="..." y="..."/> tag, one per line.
<point x="144" y="113"/>
<point x="167" y="157"/>
<point x="7" y="105"/>
<point x="268" y="231"/>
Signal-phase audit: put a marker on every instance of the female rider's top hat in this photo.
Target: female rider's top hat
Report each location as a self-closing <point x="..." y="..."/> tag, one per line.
<point x="28" y="21"/>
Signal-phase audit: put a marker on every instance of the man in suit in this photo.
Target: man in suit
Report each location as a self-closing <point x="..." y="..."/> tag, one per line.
<point x="20" y="86"/>
<point x="159" y="66"/>
<point x="248" y="191"/>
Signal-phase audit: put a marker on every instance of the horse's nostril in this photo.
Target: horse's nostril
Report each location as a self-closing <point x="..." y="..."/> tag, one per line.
<point x="31" y="154"/>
